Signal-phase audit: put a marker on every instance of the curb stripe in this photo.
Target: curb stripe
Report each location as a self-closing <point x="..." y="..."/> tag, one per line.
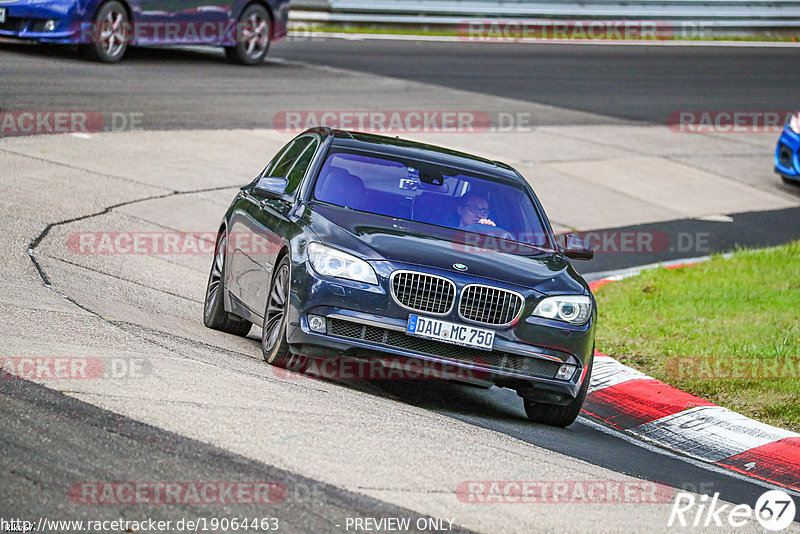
<point x="608" y="372"/>
<point x="640" y="405"/>
<point x="710" y="433"/>
<point x="597" y="284"/>
<point x="777" y="462"/>
<point x="637" y="402"/>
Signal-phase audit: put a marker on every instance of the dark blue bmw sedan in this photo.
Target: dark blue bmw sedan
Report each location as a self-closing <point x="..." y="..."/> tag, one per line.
<point x="351" y="246"/>
<point x="105" y="28"/>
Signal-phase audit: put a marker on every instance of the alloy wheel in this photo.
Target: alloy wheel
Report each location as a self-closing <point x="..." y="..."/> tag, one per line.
<point x="255" y="35"/>
<point x="215" y="277"/>
<point x="276" y="309"/>
<point x="114" y="33"/>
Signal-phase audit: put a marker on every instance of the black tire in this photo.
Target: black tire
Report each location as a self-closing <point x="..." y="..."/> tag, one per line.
<point x="214" y="314"/>
<point x="551" y="414"/>
<point x="790" y="182"/>
<point x="111" y="31"/>
<point x="274" y="347"/>
<point x="253" y="36"/>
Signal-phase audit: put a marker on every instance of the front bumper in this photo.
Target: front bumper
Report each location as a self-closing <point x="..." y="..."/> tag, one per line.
<point x="364" y="322"/>
<point x="787" y="159"/>
<point x="26" y="19"/>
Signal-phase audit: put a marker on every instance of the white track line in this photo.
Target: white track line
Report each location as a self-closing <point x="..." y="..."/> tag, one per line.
<point x="309" y="35"/>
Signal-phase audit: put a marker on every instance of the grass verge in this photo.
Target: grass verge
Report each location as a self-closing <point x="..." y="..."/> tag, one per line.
<point x="727" y="330"/>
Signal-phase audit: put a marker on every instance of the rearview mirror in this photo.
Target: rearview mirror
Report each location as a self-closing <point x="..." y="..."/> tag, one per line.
<point x="272" y="185"/>
<point x="576" y="248"/>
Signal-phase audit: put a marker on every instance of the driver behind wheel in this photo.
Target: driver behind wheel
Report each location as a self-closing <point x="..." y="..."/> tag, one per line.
<point x="473" y="208"/>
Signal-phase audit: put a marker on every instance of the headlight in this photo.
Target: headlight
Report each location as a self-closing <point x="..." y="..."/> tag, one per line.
<point x="574" y="309"/>
<point x="794" y="123"/>
<point x="328" y="261"/>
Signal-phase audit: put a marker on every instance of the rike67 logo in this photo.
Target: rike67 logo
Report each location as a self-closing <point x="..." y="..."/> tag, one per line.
<point x="774" y="510"/>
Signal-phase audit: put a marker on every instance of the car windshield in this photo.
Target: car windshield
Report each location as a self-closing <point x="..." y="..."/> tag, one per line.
<point x="432" y="194"/>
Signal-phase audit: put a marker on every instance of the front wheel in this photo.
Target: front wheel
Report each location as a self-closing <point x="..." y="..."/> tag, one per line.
<point x="274" y="346"/>
<point x="253" y="33"/>
<point x="110" y="34"/>
<point x="551" y="414"/>
<point x="214" y="314"/>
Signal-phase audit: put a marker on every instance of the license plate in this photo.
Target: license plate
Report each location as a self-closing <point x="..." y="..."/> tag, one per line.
<point x="457" y="334"/>
<point x="2" y="14"/>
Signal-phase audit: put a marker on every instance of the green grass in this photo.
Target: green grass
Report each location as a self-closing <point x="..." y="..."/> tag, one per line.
<point x="453" y="32"/>
<point x="744" y="310"/>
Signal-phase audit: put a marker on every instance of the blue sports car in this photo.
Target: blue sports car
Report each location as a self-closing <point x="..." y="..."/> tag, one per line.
<point x="375" y="249"/>
<point x="787" y="153"/>
<point x="105" y="28"/>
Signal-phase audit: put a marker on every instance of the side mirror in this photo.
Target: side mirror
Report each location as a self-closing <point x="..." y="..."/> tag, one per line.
<point x="271" y="185"/>
<point x="576" y="248"/>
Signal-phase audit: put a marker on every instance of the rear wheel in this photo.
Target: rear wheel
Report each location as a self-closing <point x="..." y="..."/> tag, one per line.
<point x="110" y="33"/>
<point x="551" y="414"/>
<point x="274" y="346"/>
<point x="253" y="32"/>
<point x="214" y="314"/>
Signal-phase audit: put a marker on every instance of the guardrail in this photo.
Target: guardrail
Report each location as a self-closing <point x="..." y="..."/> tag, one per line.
<point x="722" y="14"/>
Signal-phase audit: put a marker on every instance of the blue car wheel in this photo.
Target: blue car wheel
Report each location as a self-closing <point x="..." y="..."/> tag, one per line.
<point x="110" y="33"/>
<point x="253" y="35"/>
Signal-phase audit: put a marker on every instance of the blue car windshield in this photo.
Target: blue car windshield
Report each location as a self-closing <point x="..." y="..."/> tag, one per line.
<point x="432" y="194"/>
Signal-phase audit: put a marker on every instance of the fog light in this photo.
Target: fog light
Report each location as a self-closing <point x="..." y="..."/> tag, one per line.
<point x="50" y="25"/>
<point x="565" y="372"/>
<point x="316" y="323"/>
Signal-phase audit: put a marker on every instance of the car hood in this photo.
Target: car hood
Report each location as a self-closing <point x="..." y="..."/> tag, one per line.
<point x="377" y="237"/>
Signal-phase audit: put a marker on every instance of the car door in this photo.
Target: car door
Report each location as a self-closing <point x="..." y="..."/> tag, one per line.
<point x="240" y="261"/>
<point x="181" y="21"/>
<point x="257" y="230"/>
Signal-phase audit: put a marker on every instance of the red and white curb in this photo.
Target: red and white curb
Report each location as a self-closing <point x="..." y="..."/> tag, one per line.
<point x="649" y="409"/>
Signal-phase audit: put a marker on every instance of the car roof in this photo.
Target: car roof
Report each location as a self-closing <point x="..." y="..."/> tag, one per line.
<point x="420" y="151"/>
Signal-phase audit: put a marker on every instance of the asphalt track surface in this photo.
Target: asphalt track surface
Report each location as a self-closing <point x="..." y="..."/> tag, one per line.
<point x="745" y="230"/>
<point x="178" y="89"/>
<point x="196" y="89"/>
<point x="46" y="436"/>
<point x="638" y="83"/>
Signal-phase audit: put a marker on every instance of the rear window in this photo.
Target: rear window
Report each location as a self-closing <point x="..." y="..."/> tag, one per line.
<point x="429" y="193"/>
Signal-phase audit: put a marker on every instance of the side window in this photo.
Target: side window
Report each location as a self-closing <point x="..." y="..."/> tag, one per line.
<point x="275" y="160"/>
<point x="281" y="169"/>
<point x="295" y="175"/>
